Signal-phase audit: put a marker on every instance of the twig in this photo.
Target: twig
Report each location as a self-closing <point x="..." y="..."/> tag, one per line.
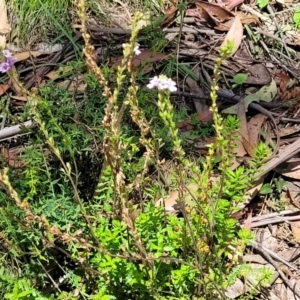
<point x="264" y="250"/>
<point x="275" y="220"/>
<point x="272" y="215"/>
<point x="267" y="254"/>
<point x="16" y="129"/>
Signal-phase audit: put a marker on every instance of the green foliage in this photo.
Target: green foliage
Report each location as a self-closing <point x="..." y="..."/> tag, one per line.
<point x="89" y="222"/>
<point x="296" y="18"/>
<point x="262" y="3"/>
<point x="129" y="279"/>
<point x="239" y="79"/>
<point x="38" y="19"/>
<point x="266" y="189"/>
<point x="12" y="288"/>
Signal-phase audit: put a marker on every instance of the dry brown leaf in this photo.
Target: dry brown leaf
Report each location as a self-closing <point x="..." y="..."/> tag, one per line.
<point x="235" y="290"/>
<point x="74" y="86"/>
<point x="145" y="57"/>
<point x="249" y="19"/>
<point x="295" y="226"/>
<point x="13" y="160"/>
<point x="203" y="117"/>
<point x="185" y="125"/>
<point x="289" y="169"/>
<point x="286" y="131"/>
<point x="254" y="128"/>
<point x="251" y="193"/>
<point x="234" y="34"/>
<point x="4" y="25"/>
<point x="216" y="12"/>
<point x="244" y="128"/>
<point x="192" y="12"/>
<point x="238" y="158"/>
<point x="259" y="75"/>
<point x="231" y="4"/>
<point x="169" y="17"/>
<point x="20" y="98"/>
<point x="292" y="192"/>
<point x="282" y="80"/>
<point x="215" y="15"/>
<point x="3" y="88"/>
<point x="170" y="5"/>
<point x="291" y="94"/>
<point x="170" y="203"/>
<point x="197" y="90"/>
<point x="14" y="79"/>
<point x="225" y="26"/>
<point x="248" y="221"/>
<point x="54" y="74"/>
<point x="27" y="54"/>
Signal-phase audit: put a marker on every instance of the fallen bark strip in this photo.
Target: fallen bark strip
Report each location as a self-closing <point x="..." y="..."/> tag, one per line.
<point x="275" y="220"/>
<point x="288" y="152"/>
<point x="16" y="129"/>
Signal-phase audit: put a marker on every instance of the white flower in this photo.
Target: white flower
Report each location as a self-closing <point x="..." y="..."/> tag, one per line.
<point x="137" y="50"/>
<point x="6" y="53"/>
<point x="162" y="83"/>
<point x="153" y="83"/>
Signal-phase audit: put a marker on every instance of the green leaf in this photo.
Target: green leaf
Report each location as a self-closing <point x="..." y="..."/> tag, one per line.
<point x="262" y="3"/>
<point x="266" y="93"/>
<point x="280" y="184"/>
<point x="168" y="248"/>
<point x="240" y="78"/>
<point x="266" y="189"/>
<point x="296" y="18"/>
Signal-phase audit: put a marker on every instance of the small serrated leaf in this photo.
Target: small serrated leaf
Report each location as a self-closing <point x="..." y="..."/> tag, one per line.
<point x="262" y="3"/>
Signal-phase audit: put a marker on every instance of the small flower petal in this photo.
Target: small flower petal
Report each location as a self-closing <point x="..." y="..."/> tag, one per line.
<point x="6" y="53"/>
<point x="136" y="50"/>
<point x="150" y="86"/>
<point x="4" y="67"/>
<point x="163" y="83"/>
<point x="11" y="61"/>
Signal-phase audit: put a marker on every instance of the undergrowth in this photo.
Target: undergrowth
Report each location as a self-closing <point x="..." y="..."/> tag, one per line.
<point x="34" y="21"/>
<point x="79" y="215"/>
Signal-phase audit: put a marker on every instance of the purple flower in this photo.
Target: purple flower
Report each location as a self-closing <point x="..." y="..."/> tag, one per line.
<point x="4" y="67"/>
<point x="11" y="61"/>
<point x="162" y="83"/>
<point x="8" y="62"/>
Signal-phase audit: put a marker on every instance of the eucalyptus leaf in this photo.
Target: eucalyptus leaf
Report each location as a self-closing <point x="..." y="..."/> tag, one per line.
<point x="266" y="93"/>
